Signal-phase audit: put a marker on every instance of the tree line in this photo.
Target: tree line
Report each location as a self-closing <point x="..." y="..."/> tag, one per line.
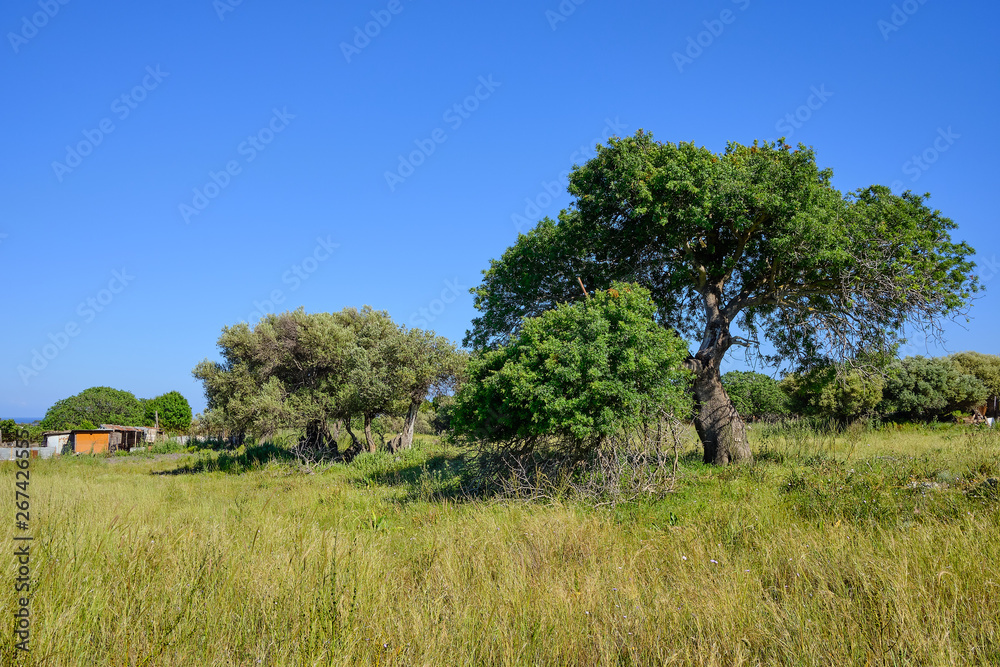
<point x="912" y="389"/>
<point x="690" y="242"/>
<point x="104" y="405"/>
<point x="581" y="321"/>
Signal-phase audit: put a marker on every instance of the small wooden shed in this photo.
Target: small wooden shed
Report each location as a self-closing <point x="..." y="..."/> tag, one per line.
<point x="92" y="441"/>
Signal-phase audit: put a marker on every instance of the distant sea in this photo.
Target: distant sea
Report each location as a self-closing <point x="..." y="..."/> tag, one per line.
<point x="26" y="420"/>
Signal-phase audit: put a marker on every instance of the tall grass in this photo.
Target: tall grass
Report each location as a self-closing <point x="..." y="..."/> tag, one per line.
<point x="872" y="548"/>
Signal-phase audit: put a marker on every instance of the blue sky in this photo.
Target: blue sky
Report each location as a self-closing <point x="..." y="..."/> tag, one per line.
<point x="171" y="169"/>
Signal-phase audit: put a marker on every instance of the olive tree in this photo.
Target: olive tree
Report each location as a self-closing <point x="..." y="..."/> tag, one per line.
<point x="429" y="366"/>
<point x="316" y="371"/>
<point x="284" y="372"/>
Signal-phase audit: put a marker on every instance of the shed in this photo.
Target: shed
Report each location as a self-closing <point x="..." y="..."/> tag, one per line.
<point x="51" y="445"/>
<point x="991" y="410"/>
<point x="57" y="439"/>
<point x="151" y="432"/>
<point x="127" y="436"/>
<point x="92" y="441"/>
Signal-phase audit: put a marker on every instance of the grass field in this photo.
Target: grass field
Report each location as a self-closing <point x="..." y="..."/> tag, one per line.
<point x="862" y="549"/>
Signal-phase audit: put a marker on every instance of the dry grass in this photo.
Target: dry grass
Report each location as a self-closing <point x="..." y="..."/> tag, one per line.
<point x="861" y="549"/>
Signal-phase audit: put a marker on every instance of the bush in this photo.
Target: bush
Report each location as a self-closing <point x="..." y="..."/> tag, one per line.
<point x="444" y="407"/>
<point x="575" y="377"/>
<point x="833" y="392"/>
<point x="986" y="368"/>
<point x="756" y="395"/>
<point x="929" y="388"/>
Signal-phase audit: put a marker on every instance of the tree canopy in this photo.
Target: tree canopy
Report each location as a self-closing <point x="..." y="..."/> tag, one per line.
<point x="926" y="388"/>
<point x="986" y="368"/>
<point x="315" y="371"/>
<point x="172" y="409"/>
<point x="841" y="394"/>
<point x="93" y="407"/>
<point x="755" y="395"/>
<point x="755" y="237"/>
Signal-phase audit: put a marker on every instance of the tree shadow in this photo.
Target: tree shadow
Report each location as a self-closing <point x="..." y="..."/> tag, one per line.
<point x="442" y="476"/>
<point x="234" y="463"/>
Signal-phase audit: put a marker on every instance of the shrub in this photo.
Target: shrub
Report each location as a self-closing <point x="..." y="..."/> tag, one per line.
<point x="575" y="376"/>
<point x="927" y="388"/>
<point x="832" y="392"/>
<point x="756" y="395"/>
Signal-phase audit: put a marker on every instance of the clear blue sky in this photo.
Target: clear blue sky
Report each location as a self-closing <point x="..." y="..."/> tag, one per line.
<point x="140" y="105"/>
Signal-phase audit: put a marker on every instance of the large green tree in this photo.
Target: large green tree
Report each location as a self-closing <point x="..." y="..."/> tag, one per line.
<point x="372" y="381"/>
<point x="986" y="367"/>
<point x="171" y="410"/>
<point x="93" y="407"/>
<point x="754" y="239"/>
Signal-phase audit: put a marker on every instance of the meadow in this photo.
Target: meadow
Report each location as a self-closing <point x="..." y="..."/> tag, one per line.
<point x="858" y="548"/>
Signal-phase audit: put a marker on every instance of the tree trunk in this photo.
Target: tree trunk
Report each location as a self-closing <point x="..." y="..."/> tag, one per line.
<point x="369" y="440"/>
<point x="317" y="435"/>
<point x="411" y="421"/>
<point x="720" y="428"/>
<point x="395" y="444"/>
<point x="355" y="447"/>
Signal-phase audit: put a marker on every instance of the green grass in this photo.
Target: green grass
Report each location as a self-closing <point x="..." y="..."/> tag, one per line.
<point x="860" y="548"/>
